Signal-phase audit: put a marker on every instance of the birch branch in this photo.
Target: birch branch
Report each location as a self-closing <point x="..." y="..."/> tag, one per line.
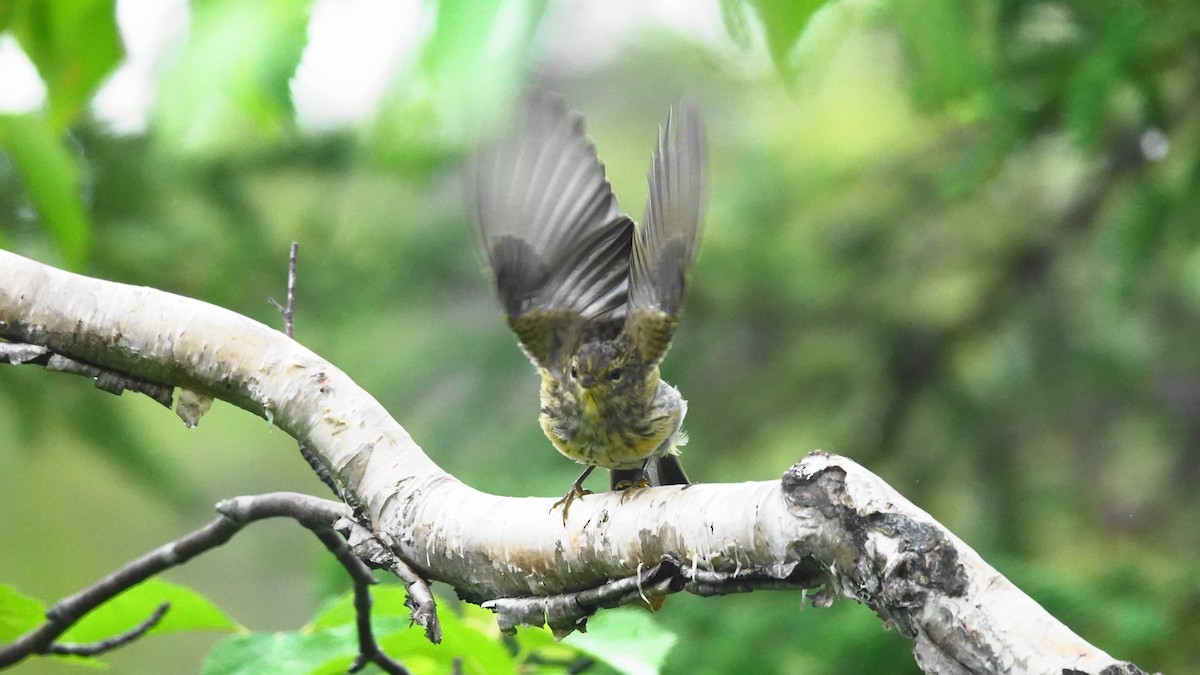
<point x="829" y="526"/>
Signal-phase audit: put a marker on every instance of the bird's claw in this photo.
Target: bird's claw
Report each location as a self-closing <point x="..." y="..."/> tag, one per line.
<point x="628" y="487"/>
<point x="577" y="491"/>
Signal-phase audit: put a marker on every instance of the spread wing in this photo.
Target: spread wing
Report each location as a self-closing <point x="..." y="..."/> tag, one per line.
<point x="550" y="230"/>
<point x="666" y="240"/>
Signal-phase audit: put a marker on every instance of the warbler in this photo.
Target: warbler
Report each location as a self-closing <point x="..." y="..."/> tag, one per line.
<point x="594" y="298"/>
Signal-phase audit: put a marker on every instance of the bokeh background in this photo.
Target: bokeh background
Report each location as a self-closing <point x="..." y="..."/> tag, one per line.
<point x="956" y="240"/>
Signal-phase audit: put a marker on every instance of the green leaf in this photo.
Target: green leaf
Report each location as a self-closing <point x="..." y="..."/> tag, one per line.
<point x="386" y="601"/>
<point x="737" y="24"/>
<point x="463" y="76"/>
<point x="537" y="647"/>
<point x="288" y="652"/>
<point x="477" y="651"/>
<point x="1136" y="237"/>
<point x="627" y="639"/>
<point x="328" y="644"/>
<point x="19" y="613"/>
<point x="51" y="178"/>
<point x="74" y="46"/>
<point x="1101" y="70"/>
<point x="470" y="637"/>
<point x="944" y="49"/>
<point x="783" y="22"/>
<point x="189" y="611"/>
<point x="229" y="90"/>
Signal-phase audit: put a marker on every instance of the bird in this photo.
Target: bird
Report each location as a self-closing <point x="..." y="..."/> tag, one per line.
<point x="593" y="297"/>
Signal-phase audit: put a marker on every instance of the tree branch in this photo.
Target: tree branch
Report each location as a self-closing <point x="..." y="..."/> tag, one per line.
<point x="107" y="380"/>
<point x="829" y="524"/>
<point x="120" y="640"/>
<point x="317" y="515"/>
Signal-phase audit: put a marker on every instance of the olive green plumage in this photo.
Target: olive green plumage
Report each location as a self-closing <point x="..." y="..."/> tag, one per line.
<point x="593" y="297"/>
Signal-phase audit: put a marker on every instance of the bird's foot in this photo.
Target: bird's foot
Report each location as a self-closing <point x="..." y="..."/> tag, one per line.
<point x="629" y="487"/>
<point x="577" y="491"/>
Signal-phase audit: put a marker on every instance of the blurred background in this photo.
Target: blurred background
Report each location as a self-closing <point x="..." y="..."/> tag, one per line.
<point x="955" y="240"/>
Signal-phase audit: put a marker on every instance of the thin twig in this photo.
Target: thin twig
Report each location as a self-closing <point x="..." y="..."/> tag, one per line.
<point x="68" y="611"/>
<point x="368" y="648"/>
<point x="119" y="640"/>
<point x="288" y="310"/>
<point x="318" y="515"/>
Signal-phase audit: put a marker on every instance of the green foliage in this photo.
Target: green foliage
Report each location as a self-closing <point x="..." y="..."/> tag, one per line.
<point x="50" y="177"/>
<point x="227" y="92"/>
<point x="328" y="644"/>
<point x="463" y="74"/>
<point x="782" y="22"/>
<point x="189" y="611"/>
<point x="954" y="240"/>
<point x="19" y="613"/>
<point x="627" y="639"/>
<point x="74" y="46"/>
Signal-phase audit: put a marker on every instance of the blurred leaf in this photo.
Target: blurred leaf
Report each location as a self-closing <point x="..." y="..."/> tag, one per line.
<point x="74" y="45"/>
<point x="464" y="646"/>
<point x="627" y="639"/>
<point x="1089" y="95"/>
<point x="1106" y="63"/>
<point x="51" y="179"/>
<point x="386" y="601"/>
<point x="782" y="23"/>
<point x="1137" y="233"/>
<point x="945" y="58"/>
<point x="539" y="646"/>
<point x="470" y="637"/>
<point x="289" y="652"/>
<point x="984" y="158"/>
<point x="229" y="91"/>
<point x="733" y="15"/>
<point x="471" y="641"/>
<point x="189" y="611"/>
<point x="19" y="613"/>
<point x="463" y="78"/>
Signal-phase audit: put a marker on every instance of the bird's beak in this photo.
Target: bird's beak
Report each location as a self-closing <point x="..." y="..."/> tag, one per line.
<point x="586" y="380"/>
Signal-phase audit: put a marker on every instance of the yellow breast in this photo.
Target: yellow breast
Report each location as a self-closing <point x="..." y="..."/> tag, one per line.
<point x="579" y="429"/>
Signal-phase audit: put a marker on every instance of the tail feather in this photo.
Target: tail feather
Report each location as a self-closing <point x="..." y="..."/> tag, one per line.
<point x="664" y="470"/>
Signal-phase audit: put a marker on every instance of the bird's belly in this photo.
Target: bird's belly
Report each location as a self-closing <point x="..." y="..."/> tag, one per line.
<point x="619" y="448"/>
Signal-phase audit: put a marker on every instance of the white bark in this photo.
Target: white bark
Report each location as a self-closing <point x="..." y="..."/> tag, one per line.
<point x="829" y="521"/>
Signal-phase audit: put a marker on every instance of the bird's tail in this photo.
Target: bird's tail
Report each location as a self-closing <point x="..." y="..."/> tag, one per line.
<point x="663" y="470"/>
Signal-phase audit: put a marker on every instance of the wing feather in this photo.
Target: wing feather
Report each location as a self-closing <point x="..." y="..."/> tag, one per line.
<point x="665" y="243"/>
<point x="550" y="229"/>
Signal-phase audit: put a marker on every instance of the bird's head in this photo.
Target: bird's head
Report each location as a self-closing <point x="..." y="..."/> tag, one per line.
<point x="605" y="375"/>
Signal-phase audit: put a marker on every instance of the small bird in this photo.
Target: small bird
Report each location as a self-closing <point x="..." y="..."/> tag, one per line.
<point x="593" y="297"/>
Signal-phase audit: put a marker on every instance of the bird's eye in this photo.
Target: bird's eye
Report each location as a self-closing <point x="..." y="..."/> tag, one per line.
<point x="574" y="372"/>
<point x="614" y="374"/>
